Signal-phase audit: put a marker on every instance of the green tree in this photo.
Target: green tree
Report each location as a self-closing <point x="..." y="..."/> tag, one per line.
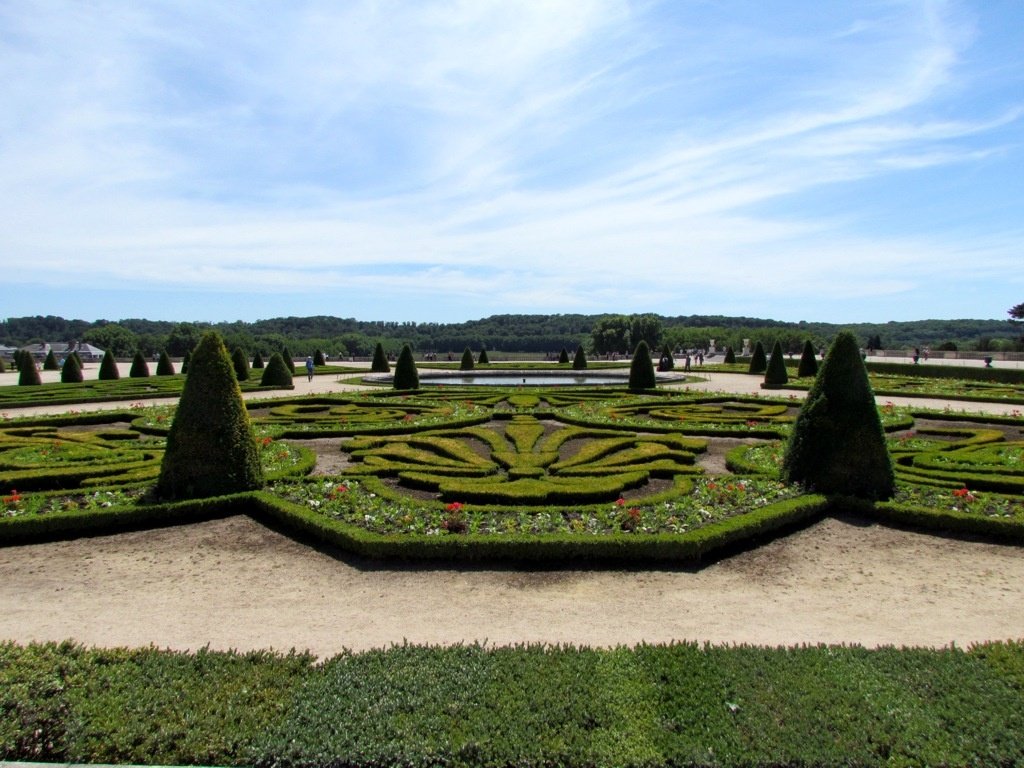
<point x="185" y="360"/>
<point x="466" y="364"/>
<point x="108" y="367"/>
<point x="406" y="375"/>
<point x="775" y="376"/>
<point x="211" y="449"/>
<point x="808" y="361"/>
<point x="183" y="339"/>
<point x="257" y="361"/>
<point x="140" y="368"/>
<point x="1017" y="312"/>
<point x="288" y="360"/>
<point x="318" y="358"/>
<point x="641" y="369"/>
<point x="758" y="361"/>
<point x="730" y="356"/>
<point x="71" y="373"/>
<point x="483" y="359"/>
<point x="579" y="361"/>
<point x="240" y="362"/>
<point x="114" y="338"/>
<point x="647" y="328"/>
<point x="28" y="374"/>
<point x="379" y="364"/>
<point x="610" y="335"/>
<point x="666" y="361"/>
<point x="563" y="356"/>
<point x="50" y="363"/>
<point x="164" y="366"/>
<point x="276" y="374"/>
<point x="837" y="445"/>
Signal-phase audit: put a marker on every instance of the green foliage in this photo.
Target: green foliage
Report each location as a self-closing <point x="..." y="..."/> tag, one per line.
<point x="140" y="368"/>
<point x="185" y="360"/>
<point x="318" y="358"/>
<point x="50" y="363"/>
<point x="240" y="364"/>
<point x="775" y="376"/>
<point x="257" y="361"/>
<point x="837" y="445"/>
<point x="380" y="360"/>
<point x="1016" y="312"/>
<point x="641" y="369"/>
<point x="406" y="375"/>
<point x="730" y="356"/>
<point x="288" y="359"/>
<point x="666" y="362"/>
<point x="579" y="360"/>
<point x="563" y="356"/>
<point x="466" y="364"/>
<point x="211" y="449"/>
<point x="758" y="361"/>
<point x="3" y="365"/>
<point x="108" y="367"/>
<point x="808" y="361"/>
<point x="28" y="374"/>
<point x="164" y="366"/>
<point x="483" y="359"/>
<point x="276" y="374"/>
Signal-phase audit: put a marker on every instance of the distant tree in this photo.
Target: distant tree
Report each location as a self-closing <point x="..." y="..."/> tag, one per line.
<point x="837" y="445"/>
<point x="808" y="361"/>
<point x="379" y="364"/>
<point x="50" y="363"/>
<point x="483" y="359"/>
<point x="114" y="338"/>
<point x="108" y="367"/>
<point x="71" y="373"/>
<point x="164" y="366"/>
<point x="758" y="361"/>
<point x="647" y="328"/>
<point x="28" y="374"/>
<point x="318" y="358"/>
<point x="257" y="361"/>
<point x="775" y="376"/>
<point x="240" y="362"/>
<point x="730" y="356"/>
<point x="466" y="364"/>
<point x="1017" y="312"/>
<point x="276" y="374"/>
<point x="641" y="369"/>
<point x="406" y="375"/>
<point x="579" y="361"/>
<point x="563" y="356"/>
<point x="610" y="335"/>
<point x="183" y="339"/>
<point x="140" y="368"/>
<point x="211" y="449"/>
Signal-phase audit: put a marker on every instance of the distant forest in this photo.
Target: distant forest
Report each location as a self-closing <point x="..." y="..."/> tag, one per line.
<point x="600" y="334"/>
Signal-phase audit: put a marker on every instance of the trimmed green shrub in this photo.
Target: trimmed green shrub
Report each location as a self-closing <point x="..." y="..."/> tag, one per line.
<point x="140" y="368"/>
<point x="579" y="362"/>
<point x="240" y="362"/>
<point x="563" y="356"/>
<point x="276" y="374"/>
<point x="288" y="360"/>
<point x="641" y="369"/>
<point x="758" y="361"/>
<point x="108" y="368"/>
<point x="466" y="364"/>
<point x="3" y="366"/>
<point x="406" y="375"/>
<point x="380" y="360"/>
<point x="318" y="358"/>
<point x="730" y="356"/>
<point x="164" y="366"/>
<point x="808" y="361"/>
<point x="50" y="363"/>
<point x="71" y="373"/>
<point x="28" y="374"/>
<point x="211" y="449"/>
<point x="775" y="376"/>
<point x="257" y="361"/>
<point x="666" y="362"/>
<point x="186" y="360"/>
<point x="837" y="445"/>
<point x="483" y="359"/>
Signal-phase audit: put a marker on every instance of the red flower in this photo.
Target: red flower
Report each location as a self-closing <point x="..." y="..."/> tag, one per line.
<point x="341" y="489"/>
<point x="620" y="501"/>
<point x="455" y="506"/>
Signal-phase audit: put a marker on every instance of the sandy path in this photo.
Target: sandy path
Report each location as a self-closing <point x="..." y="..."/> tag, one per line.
<point x="234" y="584"/>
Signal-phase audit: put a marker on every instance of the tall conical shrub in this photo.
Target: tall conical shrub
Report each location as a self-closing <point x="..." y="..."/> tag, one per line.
<point x="563" y="356"/>
<point x="3" y="366"/>
<point x="758" y="361"/>
<point x="50" y="363"/>
<point x="837" y="445"/>
<point x="211" y="449"/>
<point x="466" y="364"/>
<point x="406" y="375"/>
<point x="318" y="358"/>
<point x="288" y="360"/>
<point x="379" y="364"/>
<point x="28" y="374"/>
<point x="483" y="359"/>
<point x="641" y="369"/>
<point x="108" y="368"/>
<point x="164" y="366"/>
<point x="140" y="368"/>
<point x="808" y="361"/>
<point x="775" y="376"/>
<point x="240" y="362"/>
<point x="71" y="372"/>
<point x="579" y="361"/>
<point x="276" y="374"/>
<point x="185" y="360"/>
<point x="666" y="359"/>
<point x="257" y="361"/>
<point x="730" y="356"/>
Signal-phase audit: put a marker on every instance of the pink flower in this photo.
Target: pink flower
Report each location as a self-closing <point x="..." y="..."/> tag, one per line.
<point x="620" y="502"/>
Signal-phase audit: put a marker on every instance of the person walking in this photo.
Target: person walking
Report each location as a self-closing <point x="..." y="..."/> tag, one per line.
<point x="309" y="368"/>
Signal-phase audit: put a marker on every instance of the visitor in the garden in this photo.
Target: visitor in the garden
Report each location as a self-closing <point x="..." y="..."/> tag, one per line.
<point x="309" y="368"/>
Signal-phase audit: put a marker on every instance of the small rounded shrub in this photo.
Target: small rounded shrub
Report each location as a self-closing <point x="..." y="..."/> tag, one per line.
<point x="775" y="376"/>
<point x="276" y="374"/>
<point x="579" y="361"/>
<point x="406" y="375"/>
<point x="379" y="364"/>
<point x="108" y="368"/>
<point x="641" y="369"/>
<point x="140" y="368"/>
<point x="240" y="362"/>
<point x="71" y="373"/>
<point x="466" y="364"/>
<point x="164" y="366"/>
<point x="758" y="361"/>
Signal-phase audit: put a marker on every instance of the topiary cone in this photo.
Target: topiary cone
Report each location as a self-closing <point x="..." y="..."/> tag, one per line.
<point x="406" y="375"/>
<point x="775" y="377"/>
<point x="758" y="361"/>
<point x="641" y="369"/>
<point x="466" y="364"/>
<point x="808" y="362"/>
<point x="579" y="361"/>
<point x="71" y="373"/>
<point x="108" y="368"/>
<point x="164" y="366"/>
<point x="379" y="364"/>
<point x="140" y="368"/>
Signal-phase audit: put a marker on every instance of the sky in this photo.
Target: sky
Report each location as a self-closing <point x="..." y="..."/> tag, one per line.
<point x="447" y="160"/>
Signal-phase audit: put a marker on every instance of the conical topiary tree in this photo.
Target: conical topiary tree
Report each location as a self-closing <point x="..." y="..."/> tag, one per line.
<point x="71" y="372"/>
<point x="108" y="367"/>
<point x="276" y="374"/>
<point x="579" y="361"/>
<point x="3" y="366"/>
<point x="50" y="363"/>
<point x="240" y="362"/>
<point x="164" y="366"/>
<point x="185" y="360"/>
<point x="379" y="364"/>
<point x="666" y="362"/>
<point x="288" y="360"/>
<point x="140" y="368"/>
<point x="808" y="361"/>
<point x="257" y="361"/>
<point x="483" y="359"/>
<point x="28" y="374"/>
<point x="730" y="356"/>
<point x="211" y="449"/>
<point x="318" y="358"/>
<point x="563" y="356"/>
<point x="775" y="376"/>
<point x="641" y="369"/>
<point x="466" y="364"/>
<point x="406" y="375"/>
<point x="837" y="445"/>
<point x="758" y="361"/>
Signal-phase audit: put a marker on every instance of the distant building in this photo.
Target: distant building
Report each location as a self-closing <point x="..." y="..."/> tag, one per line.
<point x="61" y="349"/>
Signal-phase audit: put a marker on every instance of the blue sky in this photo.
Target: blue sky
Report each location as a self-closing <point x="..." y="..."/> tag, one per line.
<point x="445" y="161"/>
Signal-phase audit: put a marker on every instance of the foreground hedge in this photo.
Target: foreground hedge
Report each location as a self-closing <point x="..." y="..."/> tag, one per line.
<point x="681" y="704"/>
